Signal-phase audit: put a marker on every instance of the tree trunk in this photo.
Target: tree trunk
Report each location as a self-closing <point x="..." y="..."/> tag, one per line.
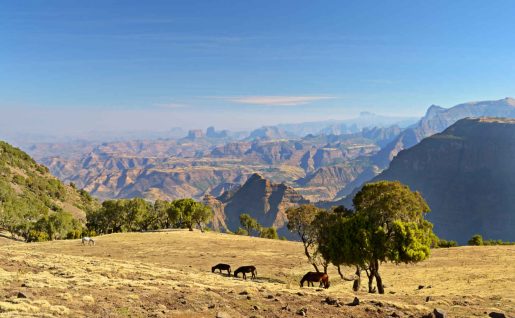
<point x="340" y="272"/>
<point x="310" y="259"/>
<point x="357" y="283"/>
<point x="370" y="274"/>
<point x="379" y="281"/>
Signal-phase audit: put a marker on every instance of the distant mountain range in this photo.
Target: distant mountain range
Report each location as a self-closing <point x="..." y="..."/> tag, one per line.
<point x="326" y="164"/>
<point x="437" y="119"/>
<point x="319" y="167"/>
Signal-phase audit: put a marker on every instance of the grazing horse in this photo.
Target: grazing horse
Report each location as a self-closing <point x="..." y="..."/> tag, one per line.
<point x="311" y="277"/>
<point x="246" y="269"/>
<point x="221" y="267"/>
<point x="89" y="240"/>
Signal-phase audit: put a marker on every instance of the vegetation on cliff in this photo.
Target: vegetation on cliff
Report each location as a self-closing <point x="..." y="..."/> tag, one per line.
<point x="34" y="205"/>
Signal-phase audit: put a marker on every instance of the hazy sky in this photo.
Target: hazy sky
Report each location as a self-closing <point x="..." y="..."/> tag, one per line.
<point x="74" y="66"/>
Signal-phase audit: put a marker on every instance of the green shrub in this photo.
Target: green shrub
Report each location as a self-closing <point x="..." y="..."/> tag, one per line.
<point x="445" y="243"/>
<point x="476" y="240"/>
<point x="497" y="242"/>
<point x="37" y="236"/>
<point x="241" y="231"/>
<point x="269" y="233"/>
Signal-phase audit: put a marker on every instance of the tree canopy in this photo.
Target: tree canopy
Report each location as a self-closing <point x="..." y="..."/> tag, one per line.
<point x="388" y="225"/>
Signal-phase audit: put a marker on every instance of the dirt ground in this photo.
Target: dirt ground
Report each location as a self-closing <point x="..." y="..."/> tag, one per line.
<point x="168" y="274"/>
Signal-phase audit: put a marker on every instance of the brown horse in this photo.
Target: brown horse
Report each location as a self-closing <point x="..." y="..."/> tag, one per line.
<point x="222" y="267"/>
<point x="246" y="269"/>
<point x="311" y="277"/>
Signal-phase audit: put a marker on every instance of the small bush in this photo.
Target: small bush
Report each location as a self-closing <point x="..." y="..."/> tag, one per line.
<point x="447" y="244"/>
<point x="497" y="242"/>
<point x="269" y="233"/>
<point x="476" y="240"/>
<point x="241" y="231"/>
<point x="37" y="236"/>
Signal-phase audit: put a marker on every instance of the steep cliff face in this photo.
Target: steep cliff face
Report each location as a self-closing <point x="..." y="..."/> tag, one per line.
<point x="467" y="176"/>
<point x="219" y="218"/>
<point x="262" y="199"/>
<point x="438" y="119"/>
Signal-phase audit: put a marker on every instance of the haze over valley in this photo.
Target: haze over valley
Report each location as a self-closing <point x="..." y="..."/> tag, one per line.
<point x="263" y="159"/>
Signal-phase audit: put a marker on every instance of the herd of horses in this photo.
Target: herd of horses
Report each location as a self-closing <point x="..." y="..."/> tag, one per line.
<point x="310" y="277"/>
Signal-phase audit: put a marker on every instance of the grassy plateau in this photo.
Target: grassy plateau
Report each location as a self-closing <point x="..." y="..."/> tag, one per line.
<point x="168" y="274"/>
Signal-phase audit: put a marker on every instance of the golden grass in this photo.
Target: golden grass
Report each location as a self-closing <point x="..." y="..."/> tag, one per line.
<point x="168" y="274"/>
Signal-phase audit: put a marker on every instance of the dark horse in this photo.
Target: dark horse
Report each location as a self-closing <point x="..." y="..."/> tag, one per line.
<point x="311" y="277"/>
<point x="246" y="269"/>
<point x="222" y="267"/>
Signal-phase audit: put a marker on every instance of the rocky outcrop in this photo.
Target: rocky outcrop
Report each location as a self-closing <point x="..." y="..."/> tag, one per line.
<point x="219" y="217"/>
<point x="269" y="132"/>
<point x="263" y="200"/>
<point x="212" y="133"/>
<point x="232" y="149"/>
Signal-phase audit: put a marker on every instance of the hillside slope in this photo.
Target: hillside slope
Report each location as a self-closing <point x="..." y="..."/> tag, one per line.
<point x="467" y="176"/>
<point x="28" y="190"/>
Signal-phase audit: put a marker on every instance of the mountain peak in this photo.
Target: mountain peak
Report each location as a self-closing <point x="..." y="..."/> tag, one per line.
<point x="255" y="177"/>
<point x="434" y="109"/>
<point x="510" y="101"/>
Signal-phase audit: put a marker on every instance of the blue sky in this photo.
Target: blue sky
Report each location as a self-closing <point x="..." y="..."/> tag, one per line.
<point x="75" y="66"/>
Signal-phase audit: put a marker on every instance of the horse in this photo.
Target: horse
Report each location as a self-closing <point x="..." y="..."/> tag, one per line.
<point x="220" y="267"/>
<point x="311" y="277"/>
<point x="244" y="270"/>
<point x="89" y="240"/>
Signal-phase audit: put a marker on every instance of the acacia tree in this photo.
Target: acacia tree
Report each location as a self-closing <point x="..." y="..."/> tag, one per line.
<point x="189" y="212"/>
<point x="390" y="219"/>
<point x="339" y="240"/>
<point x="136" y="211"/>
<point x="159" y="215"/>
<point x="301" y="221"/>
<point x="201" y="215"/>
<point x="249" y="223"/>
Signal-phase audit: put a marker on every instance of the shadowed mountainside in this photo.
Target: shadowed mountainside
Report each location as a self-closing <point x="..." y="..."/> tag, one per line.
<point x="262" y="199"/>
<point x="438" y="119"/>
<point x="467" y="176"/>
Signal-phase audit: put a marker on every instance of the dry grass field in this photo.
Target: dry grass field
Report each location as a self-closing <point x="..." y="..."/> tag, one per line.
<point x="168" y="274"/>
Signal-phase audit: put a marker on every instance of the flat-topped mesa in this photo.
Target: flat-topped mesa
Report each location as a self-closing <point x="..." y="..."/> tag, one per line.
<point x="499" y="120"/>
<point x="195" y="134"/>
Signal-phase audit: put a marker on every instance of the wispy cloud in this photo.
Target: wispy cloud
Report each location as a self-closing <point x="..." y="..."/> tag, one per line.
<point x="275" y="100"/>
